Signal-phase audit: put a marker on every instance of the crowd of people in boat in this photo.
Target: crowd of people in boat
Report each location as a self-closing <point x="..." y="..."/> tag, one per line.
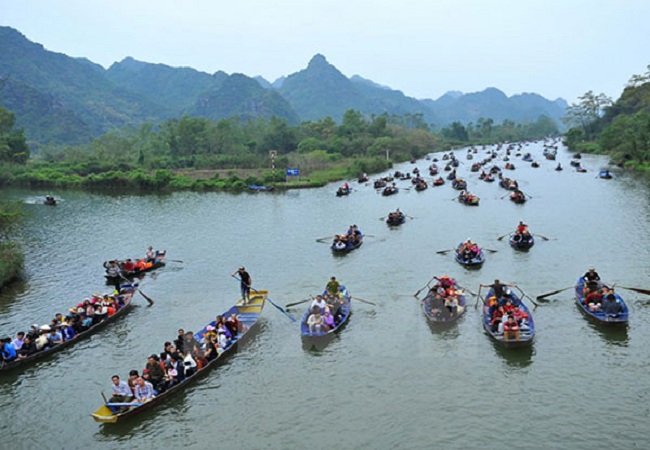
<point x="443" y="299"/>
<point x="61" y="328"/>
<point x="325" y="310"/>
<point x="350" y="239"/>
<point x="116" y="269"/>
<point x="179" y="360"/>
<point x="504" y="310"/>
<point x="522" y="234"/>
<point x="468" y="250"/>
<point x="598" y="297"/>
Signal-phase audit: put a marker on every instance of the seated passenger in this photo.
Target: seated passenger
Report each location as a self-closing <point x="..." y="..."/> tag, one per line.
<point x="328" y="320"/>
<point x="67" y="330"/>
<point x="121" y="394"/>
<point x="143" y="391"/>
<point x="510" y="328"/>
<point x="19" y="341"/>
<point x="611" y="305"/>
<point x="233" y="324"/>
<point x="54" y="338"/>
<point x="190" y="365"/>
<point x="315" y="321"/>
<point x="497" y="318"/>
<point x="318" y="302"/>
<point x="175" y="371"/>
<point x="594" y="300"/>
<point x="7" y="350"/>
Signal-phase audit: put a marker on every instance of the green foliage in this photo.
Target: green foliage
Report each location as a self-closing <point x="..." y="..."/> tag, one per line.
<point x="11" y="262"/>
<point x="623" y="131"/>
<point x="13" y="146"/>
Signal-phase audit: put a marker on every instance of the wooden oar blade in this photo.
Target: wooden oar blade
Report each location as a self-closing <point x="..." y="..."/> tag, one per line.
<point x="288" y="305"/>
<point x="639" y="290"/>
<point x="146" y="297"/>
<point x="541" y="297"/>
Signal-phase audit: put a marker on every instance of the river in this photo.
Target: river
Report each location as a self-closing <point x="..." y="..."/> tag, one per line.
<point x="388" y="380"/>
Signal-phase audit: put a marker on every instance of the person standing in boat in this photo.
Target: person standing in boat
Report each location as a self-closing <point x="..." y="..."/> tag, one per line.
<point x="333" y="287"/>
<point x="498" y="289"/>
<point x="592" y="280"/>
<point x="113" y="273"/>
<point x="245" y="282"/>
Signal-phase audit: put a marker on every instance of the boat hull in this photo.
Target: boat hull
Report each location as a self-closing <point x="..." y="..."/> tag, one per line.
<point x="248" y="315"/>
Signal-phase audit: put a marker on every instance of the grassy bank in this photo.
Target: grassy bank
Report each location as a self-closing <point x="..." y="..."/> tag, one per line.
<point x="11" y="262"/>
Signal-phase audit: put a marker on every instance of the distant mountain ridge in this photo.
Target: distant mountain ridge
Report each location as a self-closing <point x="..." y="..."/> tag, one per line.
<point x="63" y="100"/>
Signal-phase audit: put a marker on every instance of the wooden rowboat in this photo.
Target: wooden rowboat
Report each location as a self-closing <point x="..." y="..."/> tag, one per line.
<point x="526" y="329"/>
<point x="601" y="317"/>
<point x="437" y="314"/>
<point x="320" y="339"/>
<point x="248" y="315"/>
<point x="130" y="274"/>
<point x="127" y="291"/>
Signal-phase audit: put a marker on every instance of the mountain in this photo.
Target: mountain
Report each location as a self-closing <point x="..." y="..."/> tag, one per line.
<point x="63" y="100"/>
<point x="70" y="84"/>
<point x="178" y="88"/>
<point x="493" y="103"/>
<point x="239" y="95"/>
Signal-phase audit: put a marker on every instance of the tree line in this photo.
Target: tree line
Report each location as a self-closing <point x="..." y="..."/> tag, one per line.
<point x="620" y="129"/>
<point x="164" y="156"/>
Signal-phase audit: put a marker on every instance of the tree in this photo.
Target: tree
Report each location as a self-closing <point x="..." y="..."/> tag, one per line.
<point x="586" y="113"/>
<point x="13" y="145"/>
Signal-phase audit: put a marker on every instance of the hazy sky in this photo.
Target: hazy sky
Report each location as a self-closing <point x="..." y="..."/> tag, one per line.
<point x="557" y="48"/>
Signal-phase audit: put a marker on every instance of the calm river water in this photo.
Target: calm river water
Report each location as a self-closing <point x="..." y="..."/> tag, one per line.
<point x="388" y="380"/>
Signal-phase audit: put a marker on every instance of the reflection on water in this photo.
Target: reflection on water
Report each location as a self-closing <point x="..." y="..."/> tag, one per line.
<point x="515" y="357"/>
<point x="616" y="335"/>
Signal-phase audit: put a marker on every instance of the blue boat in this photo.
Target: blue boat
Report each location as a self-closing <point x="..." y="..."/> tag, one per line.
<point x="437" y="313"/>
<point x="346" y="246"/>
<point x="600" y="316"/>
<point x="261" y="188"/>
<point x="605" y="174"/>
<point x="248" y="315"/>
<point x="319" y="339"/>
<point x="521" y="242"/>
<point x="526" y="328"/>
<point x="395" y="218"/>
<point x="473" y="262"/>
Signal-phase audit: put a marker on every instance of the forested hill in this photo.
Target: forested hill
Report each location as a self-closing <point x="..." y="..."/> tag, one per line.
<point x="620" y="128"/>
<point x="58" y="99"/>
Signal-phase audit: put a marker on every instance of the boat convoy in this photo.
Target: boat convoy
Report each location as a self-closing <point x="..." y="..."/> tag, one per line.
<point x="506" y="317"/>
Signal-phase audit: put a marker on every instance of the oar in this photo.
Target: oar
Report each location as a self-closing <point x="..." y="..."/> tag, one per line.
<point x="490" y="250"/>
<point x="323" y="238"/>
<point x="501" y="237"/>
<point x="442" y="252"/>
<point x="382" y="218"/>
<point x="467" y="290"/>
<point x="478" y="297"/>
<point x="146" y="297"/>
<point x="289" y="305"/>
<point x="293" y="319"/>
<point x="523" y="294"/>
<point x="173" y="260"/>
<point x="639" y="290"/>
<point x="364" y="301"/>
<point x="541" y="297"/>
<point x="426" y="285"/>
<point x="543" y="237"/>
<point x="505" y="196"/>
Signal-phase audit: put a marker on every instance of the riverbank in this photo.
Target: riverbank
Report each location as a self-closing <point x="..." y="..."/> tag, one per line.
<point x="11" y="262"/>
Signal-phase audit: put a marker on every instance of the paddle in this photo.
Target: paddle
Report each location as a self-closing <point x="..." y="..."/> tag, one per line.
<point x="146" y="297"/>
<point x="289" y="305"/>
<point x="543" y="237"/>
<point x="174" y="260"/>
<point x="639" y="290"/>
<point x="501" y="237"/>
<point x="323" y="238"/>
<point x="363" y="301"/>
<point x="293" y="319"/>
<point x="478" y="297"/>
<point x="467" y="290"/>
<point x="541" y="297"/>
<point x="523" y="294"/>
<point x="442" y="252"/>
<point x="490" y="250"/>
<point x="426" y="285"/>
